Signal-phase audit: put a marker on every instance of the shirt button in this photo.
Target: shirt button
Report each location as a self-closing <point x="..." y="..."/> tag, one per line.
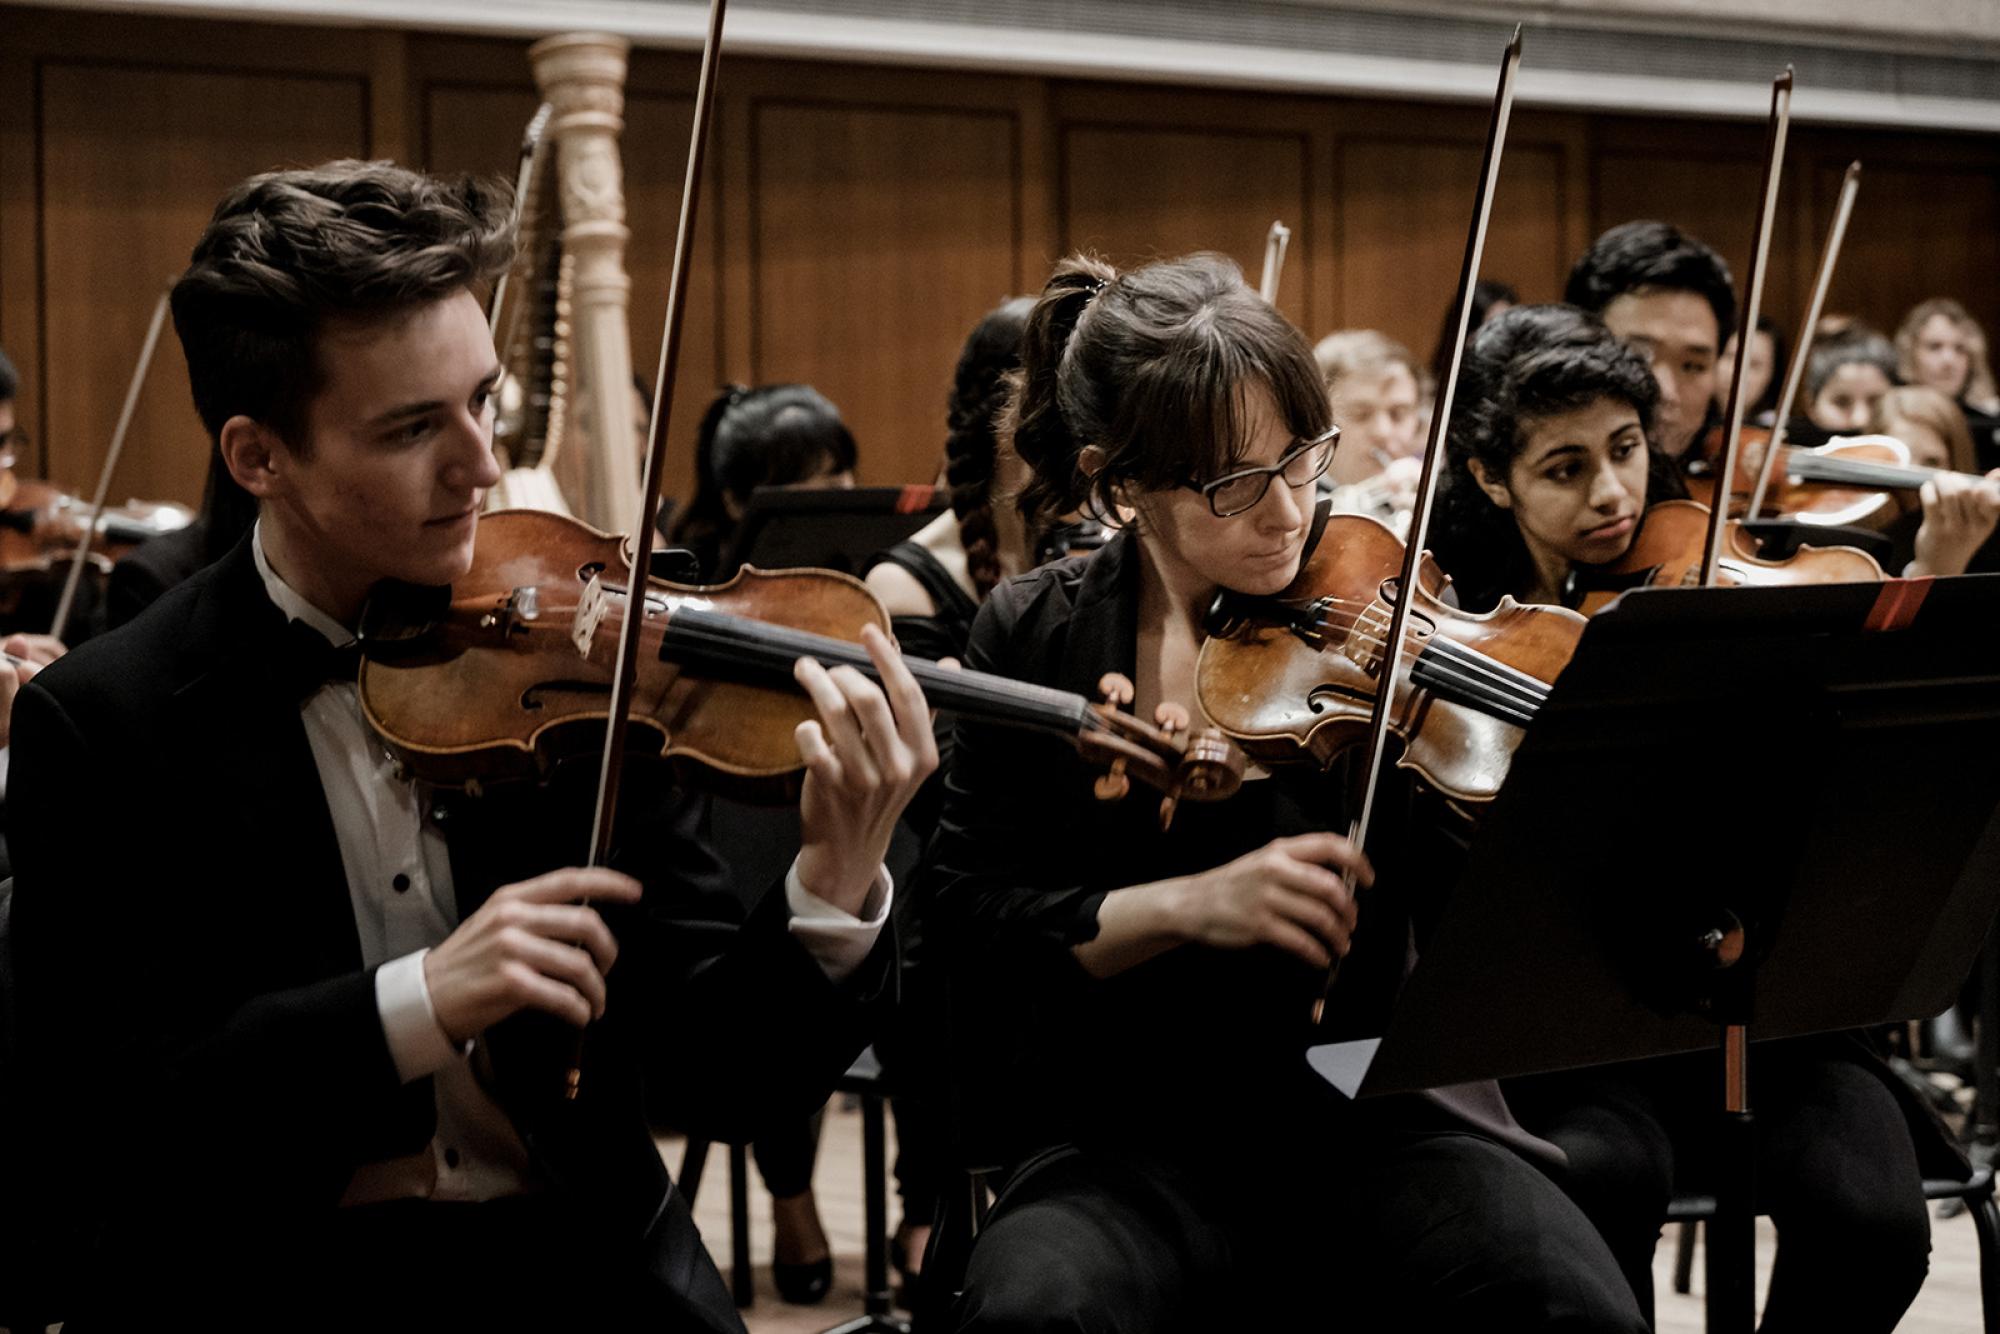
<point x="451" y="1158"/>
<point x="401" y="883"/>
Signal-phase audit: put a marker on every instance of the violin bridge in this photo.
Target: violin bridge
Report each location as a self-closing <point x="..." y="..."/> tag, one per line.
<point x="590" y="611"/>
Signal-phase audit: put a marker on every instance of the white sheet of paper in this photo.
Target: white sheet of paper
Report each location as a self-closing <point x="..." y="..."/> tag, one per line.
<point x="1344" y="1064"/>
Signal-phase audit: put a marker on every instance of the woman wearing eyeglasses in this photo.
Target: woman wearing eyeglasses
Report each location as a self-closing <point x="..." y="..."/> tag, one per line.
<point x="1139" y="1002"/>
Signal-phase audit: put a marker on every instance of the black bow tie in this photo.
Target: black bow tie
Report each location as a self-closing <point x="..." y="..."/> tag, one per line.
<point x="308" y="661"/>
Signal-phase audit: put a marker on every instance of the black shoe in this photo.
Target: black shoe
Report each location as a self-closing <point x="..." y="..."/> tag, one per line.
<point x="806" y="1284"/>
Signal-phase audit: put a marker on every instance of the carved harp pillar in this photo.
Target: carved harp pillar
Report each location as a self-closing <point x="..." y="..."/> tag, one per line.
<point x="582" y="76"/>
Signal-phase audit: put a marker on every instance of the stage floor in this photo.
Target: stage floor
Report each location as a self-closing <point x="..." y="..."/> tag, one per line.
<point x="1949" y="1303"/>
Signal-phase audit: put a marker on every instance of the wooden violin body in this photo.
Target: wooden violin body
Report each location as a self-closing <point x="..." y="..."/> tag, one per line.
<point x="1296" y="675"/>
<point x="1864" y="480"/>
<point x="498" y="689"/>
<point x="1666" y="553"/>
<point x="508" y="673"/>
<point x="40" y="526"/>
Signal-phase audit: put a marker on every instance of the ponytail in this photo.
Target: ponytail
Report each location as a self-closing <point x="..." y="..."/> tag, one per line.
<point x="1036" y="423"/>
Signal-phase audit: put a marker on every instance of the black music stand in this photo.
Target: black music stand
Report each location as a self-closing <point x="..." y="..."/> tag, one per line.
<point x="786" y="528"/>
<point x="1738" y="808"/>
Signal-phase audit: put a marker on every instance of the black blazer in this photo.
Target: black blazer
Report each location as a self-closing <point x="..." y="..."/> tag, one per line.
<point x="1181" y="1048"/>
<point x="188" y="963"/>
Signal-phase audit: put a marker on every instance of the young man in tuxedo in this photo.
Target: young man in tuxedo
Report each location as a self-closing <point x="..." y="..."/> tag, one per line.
<point x="295" y="1027"/>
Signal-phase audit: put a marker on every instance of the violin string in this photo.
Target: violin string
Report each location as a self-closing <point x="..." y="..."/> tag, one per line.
<point x="1524" y="681"/>
<point x="1443" y="662"/>
<point x="1503" y="676"/>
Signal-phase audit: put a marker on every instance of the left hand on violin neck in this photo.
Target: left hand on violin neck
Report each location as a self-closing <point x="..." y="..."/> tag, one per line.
<point x="866" y="755"/>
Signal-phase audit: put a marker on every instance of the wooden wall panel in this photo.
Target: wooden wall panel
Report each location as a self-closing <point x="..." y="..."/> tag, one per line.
<point x="1404" y="206"/>
<point x="857" y="220"/>
<point x="1714" y="197"/>
<point x="1134" y="194"/>
<point x="1918" y="231"/>
<point x="880" y="236"/>
<point x="134" y="160"/>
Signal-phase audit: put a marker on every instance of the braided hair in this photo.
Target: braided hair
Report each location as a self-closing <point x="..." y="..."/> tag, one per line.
<point x="978" y="393"/>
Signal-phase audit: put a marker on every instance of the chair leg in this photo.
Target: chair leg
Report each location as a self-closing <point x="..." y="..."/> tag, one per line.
<point x="742" y="1278"/>
<point x="1684" y="1258"/>
<point x="878" y="1301"/>
<point x="1986" y="1221"/>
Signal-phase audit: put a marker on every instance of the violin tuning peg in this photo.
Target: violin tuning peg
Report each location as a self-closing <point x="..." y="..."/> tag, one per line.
<point x="1171" y="717"/>
<point x="1113" y="784"/>
<point x="1117" y="689"/>
<point x="1168" y="805"/>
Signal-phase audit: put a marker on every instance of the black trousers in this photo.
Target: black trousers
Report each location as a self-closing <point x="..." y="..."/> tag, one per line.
<point x="1392" y="1230"/>
<point x="511" y="1264"/>
<point x="1836" y="1170"/>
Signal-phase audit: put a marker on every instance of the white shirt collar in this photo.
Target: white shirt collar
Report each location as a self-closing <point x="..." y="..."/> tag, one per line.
<point x="290" y="601"/>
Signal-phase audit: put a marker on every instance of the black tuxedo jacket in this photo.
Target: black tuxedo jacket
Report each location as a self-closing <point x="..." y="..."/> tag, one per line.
<point x="201" y="1049"/>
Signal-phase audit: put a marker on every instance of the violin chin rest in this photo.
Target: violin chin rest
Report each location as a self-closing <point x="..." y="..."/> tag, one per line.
<point x="397" y="613"/>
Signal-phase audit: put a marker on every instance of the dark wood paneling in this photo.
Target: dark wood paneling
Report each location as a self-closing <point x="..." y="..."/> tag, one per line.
<point x="880" y="237"/>
<point x="1404" y="209"/>
<point x="1134" y="194"/>
<point x="134" y="160"/>
<point x="857" y="220"/>
<point x="1917" y="232"/>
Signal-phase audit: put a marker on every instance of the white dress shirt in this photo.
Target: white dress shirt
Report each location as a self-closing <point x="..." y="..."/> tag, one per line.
<point x="399" y="884"/>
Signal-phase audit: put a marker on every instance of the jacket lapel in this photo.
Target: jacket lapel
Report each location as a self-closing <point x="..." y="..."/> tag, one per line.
<point x="243" y="731"/>
<point x="1103" y="630"/>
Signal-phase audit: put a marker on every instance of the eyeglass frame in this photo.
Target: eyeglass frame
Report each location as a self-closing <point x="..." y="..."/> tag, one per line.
<point x="1208" y="490"/>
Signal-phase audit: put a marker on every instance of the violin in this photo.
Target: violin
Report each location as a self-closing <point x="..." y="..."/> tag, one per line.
<point x="1666" y="552"/>
<point x="41" y="527"/>
<point x="1295" y="676"/>
<point x="1862" y="479"/>
<point x="508" y="673"/>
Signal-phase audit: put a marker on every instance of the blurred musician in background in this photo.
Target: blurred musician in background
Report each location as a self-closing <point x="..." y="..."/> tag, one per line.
<point x="1939" y="344"/>
<point x="1764" y="375"/>
<point x="773" y="435"/>
<point x="1847" y="373"/>
<point x="1371" y="381"/>
<point x="1671" y="297"/>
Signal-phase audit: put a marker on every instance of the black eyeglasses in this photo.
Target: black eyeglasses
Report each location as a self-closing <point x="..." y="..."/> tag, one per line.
<point x="1304" y="463"/>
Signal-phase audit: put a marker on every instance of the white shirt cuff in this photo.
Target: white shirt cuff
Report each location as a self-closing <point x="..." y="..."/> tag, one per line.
<point x="416" y="1043"/>
<point x="838" y="940"/>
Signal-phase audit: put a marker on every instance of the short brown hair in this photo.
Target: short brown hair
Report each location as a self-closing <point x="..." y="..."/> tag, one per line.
<point x="289" y="250"/>
<point x="1355" y="352"/>
<point x="1150" y="366"/>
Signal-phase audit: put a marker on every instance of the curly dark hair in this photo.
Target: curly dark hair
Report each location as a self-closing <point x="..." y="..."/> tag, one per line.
<point x="979" y="389"/>
<point x="1149" y="366"/>
<point x="1532" y="362"/>
<point x="1644" y="256"/>
<point x="287" y="251"/>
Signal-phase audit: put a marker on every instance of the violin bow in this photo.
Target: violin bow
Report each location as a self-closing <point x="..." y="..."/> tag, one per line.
<point x="625" y="673"/>
<point x="1795" y="374"/>
<point x="1276" y="242"/>
<point x="67" y="602"/>
<point x="1746" y="325"/>
<point x="1399" y="612"/>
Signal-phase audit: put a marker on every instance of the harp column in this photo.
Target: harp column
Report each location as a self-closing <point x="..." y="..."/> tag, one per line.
<point x="582" y="77"/>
